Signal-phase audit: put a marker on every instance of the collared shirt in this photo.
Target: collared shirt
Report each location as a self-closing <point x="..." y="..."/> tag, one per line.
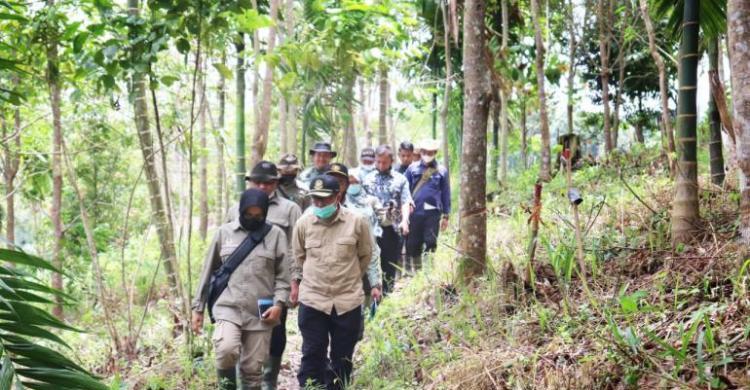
<point x="263" y="274"/>
<point x="282" y="212"/>
<point x="391" y="189"/>
<point x="435" y="193"/>
<point x="310" y="174"/>
<point x="330" y="258"/>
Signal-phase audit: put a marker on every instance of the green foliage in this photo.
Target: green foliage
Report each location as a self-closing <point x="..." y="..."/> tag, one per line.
<point x="24" y="326"/>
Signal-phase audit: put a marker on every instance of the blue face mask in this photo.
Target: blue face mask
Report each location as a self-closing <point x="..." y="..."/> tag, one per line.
<point x="354" y="189"/>
<point x="325" y="212"/>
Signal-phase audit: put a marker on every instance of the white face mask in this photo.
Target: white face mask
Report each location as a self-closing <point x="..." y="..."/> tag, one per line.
<point x="367" y="167"/>
<point x="428" y="159"/>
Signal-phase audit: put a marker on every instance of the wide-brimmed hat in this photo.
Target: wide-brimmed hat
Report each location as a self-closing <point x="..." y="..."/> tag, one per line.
<point x="323" y="147"/>
<point x="431" y="145"/>
<point x="263" y="171"/>
<point x="324" y="186"/>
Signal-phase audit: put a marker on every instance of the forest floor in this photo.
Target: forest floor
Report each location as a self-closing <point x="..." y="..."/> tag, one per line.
<point x="653" y="316"/>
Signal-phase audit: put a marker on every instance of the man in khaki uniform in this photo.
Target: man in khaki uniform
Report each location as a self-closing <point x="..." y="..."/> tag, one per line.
<point x="283" y="213"/>
<point x="332" y="250"/>
<point x="242" y="334"/>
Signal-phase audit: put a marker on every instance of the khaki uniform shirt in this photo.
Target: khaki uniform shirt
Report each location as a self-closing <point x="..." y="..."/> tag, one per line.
<point x="330" y="258"/>
<point x="263" y="274"/>
<point x="294" y="192"/>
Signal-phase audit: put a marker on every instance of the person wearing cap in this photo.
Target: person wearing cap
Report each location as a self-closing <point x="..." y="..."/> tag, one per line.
<point x="321" y="153"/>
<point x="242" y="334"/>
<point x="332" y="251"/>
<point x="283" y="213"/>
<point x="430" y="187"/>
<point x="289" y="186"/>
<point x="392" y="190"/>
<point x="405" y="156"/>
<point x="367" y="160"/>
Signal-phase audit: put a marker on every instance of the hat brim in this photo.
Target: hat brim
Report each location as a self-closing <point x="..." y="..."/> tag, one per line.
<point x="321" y="193"/>
<point x="333" y="154"/>
<point x="338" y="173"/>
<point x="262" y="178"/>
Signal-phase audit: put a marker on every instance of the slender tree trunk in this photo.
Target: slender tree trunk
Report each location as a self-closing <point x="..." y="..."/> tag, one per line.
<point x="715" y="148"/>
<point x="446" y="88"/>
<point x="291" y="138"/>
<point x="260" y="139"/>
<point x="53" y="83"/>
<point x="604" y="23"/>
<point x="283" y="119"/>
<point x="618" y="95"/>
<point x="504" y="98"/>
<point x="545" y="173"/>
<point x="12" y="149"/>
<point x="639" y="122"/>
<point x="158" y="208"/>
<point x="383" y="117"/>
<point x="495" y="113"/>
<point x="349" y="154"/>
<point x="685" y="213"/>
<point x="473" y="223"/>
<point x="524" y="142"/>
<point x="221" y="173"/>
<point x="240" y="170"/>
<point x="572" y="71"/>
<point x="364" y="106"/>
<point x="203" y="162"/>
<point x="663" y="86"/>
<point x="738" y="14"/>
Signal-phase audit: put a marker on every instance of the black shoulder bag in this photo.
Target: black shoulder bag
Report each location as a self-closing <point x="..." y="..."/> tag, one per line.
<point x="220" y="277"/>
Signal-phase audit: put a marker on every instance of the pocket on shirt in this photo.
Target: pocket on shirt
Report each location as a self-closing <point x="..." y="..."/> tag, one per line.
<point x="345" y="247"/>
<point x="226" y="251"/>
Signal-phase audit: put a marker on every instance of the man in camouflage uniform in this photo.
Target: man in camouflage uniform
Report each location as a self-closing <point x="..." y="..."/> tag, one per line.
<point x="289" y="186"/>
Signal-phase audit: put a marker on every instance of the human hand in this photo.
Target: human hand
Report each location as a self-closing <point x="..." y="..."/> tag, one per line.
<point x="197" y="322"/>
<point x="294" y="295"/>
<point x="444" y="223"/>
<point x="273" y="314"/>
<point x="376" y="294"/>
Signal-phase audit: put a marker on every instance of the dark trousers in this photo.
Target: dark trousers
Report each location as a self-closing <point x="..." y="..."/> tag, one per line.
<point x="390" y="251"/>
<point x="318" y="329"/>
<point x="278" y="336"/>
<point x="424" y="227"/>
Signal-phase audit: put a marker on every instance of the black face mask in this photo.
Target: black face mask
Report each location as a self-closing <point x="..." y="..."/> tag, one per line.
<point x="250" y="198"/>
<point x="287" y="179"/>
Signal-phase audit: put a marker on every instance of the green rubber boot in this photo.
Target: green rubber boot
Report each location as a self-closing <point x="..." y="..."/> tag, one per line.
<point x="271" y="369"/>
<point x="227" y="378"/>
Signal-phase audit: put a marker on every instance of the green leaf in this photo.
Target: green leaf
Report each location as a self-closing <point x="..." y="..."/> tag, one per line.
<point x="41" y="356"/>
<point x="6" y="373"/>
<point x="223" y="70"/>
<point x="25" y="284"/>
<point x="33" y="331"/>
<point x="78" y="42"/>
<point x="169" y="80"/>
<point x="7" y="16"/>
<point x="183" y="45"/>
<point x="251" y="20"/>
<point x="17" y="257"/>
<point x="65" y="379"/>
<point x="32" y="315"/>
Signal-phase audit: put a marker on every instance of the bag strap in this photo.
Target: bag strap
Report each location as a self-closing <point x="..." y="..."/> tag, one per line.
<point x="240" y="254"/>
<point x="426" y="175"/>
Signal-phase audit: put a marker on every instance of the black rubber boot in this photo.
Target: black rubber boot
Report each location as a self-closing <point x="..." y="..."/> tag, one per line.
<point x="271" y="369"/>
<point x="416" y="262"/>
<point x="227" y="378"/>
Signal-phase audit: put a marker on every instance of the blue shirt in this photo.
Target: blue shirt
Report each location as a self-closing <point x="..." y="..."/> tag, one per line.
<point x="389" y="187"/>
<point x="436" y="193"/>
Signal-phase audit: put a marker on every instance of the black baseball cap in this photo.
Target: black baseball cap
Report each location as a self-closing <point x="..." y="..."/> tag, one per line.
<point x="367" y="154"/>
<point x="263" y="171"/>
<point x="323" y="147"/>
<point x="324" y="186"/>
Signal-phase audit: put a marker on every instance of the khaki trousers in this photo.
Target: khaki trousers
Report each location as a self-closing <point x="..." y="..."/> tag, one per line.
<point x="249" y="348"/>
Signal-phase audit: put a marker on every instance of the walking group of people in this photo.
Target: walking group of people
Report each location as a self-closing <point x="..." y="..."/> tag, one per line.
<point x="330" y="241"/>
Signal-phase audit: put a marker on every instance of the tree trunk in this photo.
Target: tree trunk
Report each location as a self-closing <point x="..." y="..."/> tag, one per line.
<point x="738" y="14"/>
<point x="524" y="143"/>
<point x="53" y="83"/>
<point x="572" y="71"/>
<point x="203" y="162"/>
<point x="12" y="148"/>
<point x="363" y="113"/>
<point x="240" y="170"/>
<point x="545" y="173"/>
<point x="383" y="117"/>
<point x="604" y="22"/>
<point x="221" y="173"/>
<point x="291" y="129"/>
<point x="504" y="98"/>
<point x="715" y="145"/>
<point x="685" y="207"/>
<point x="618" y="95"/>
<point x="158" y="208"/>
<point x="260" y="139"/>
<point x="283" y="119"/>
<point x="494" y="164"/>
<point x="446" y="88"/>
<point x="349" y="152"/>
<point x="663" y="87"/>
<point x="473" y="223"/>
